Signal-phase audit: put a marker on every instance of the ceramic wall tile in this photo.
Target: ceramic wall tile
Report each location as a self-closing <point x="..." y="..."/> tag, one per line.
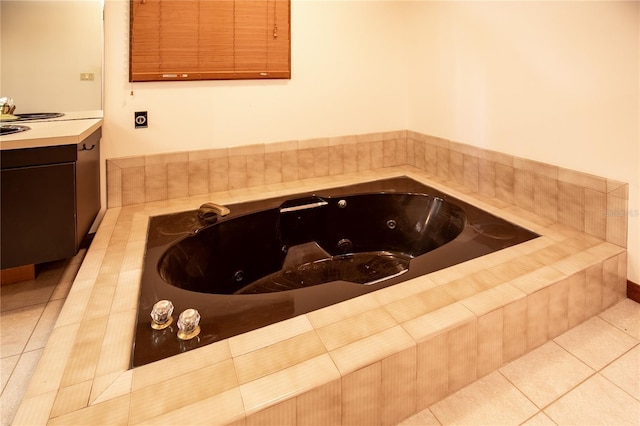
<point x="456" y="167"/>
<point x="471" y="172"/>
<point x="577" y="298"/>
<point x="350" y="158"/>
<point x="402" y="151"/>
<point x="85" y="352"/>
<point x="320" y="406"/>
<point x="255" y="169"/>
<point x="277" y="357"/>
<point x="442" y="168"/>
<point x="593" y="302"/>
<point x="283" y="414"/>
<point x="71" y="398"/>
<point x="35" y="410"/>
<point x="490" y="341"/>
<point x="155" y="182"/>
<point x="515" y="329"/>
<point x="363" y="155"/>
<point x="398" y="386"/>
<point x="444" y="319"/>
<point x="571" y="205"/>
<point x="238" y="176"/>
<point x="487" y="177"/>
<point x="411" y="152"/>
<point x="113" y="412"/>
<point x="419" y="155"/>
<point x="377" y="153"/>
<point x="163" y="397"/>
<point x="610" y="294"/>
<point x="431" y="159"/>
<point x="558" y="308"/>
<point x="617" y="218"/>
<point x="355" y="328"/>
<point x="132" y="185"/>
<point x="622" y="275"/>
<point x="419" y="304"/>
<point x="336" y="160"/>
<point x="545" y="197"/>
<point x="524" y="189"/>
<point x="272" y="167"/>
<point x="321" y="161"/>
<point x="227" y="410"/>
<point x="371" y="349"/>
<point x="505" y="183"/>
<point x="288" y="383"/>
<point x="198" y="176"/>
<point x="177" y="180"/>
<point x="595" y="220"/>
<point x="583" y="180"/>
<point x="340" y="311"/>
<point x="290" y="166"/>
<point x="432" y="370"/>
<point x="462" y="343"/>
<point x="537" y="318"/>
<point x="218" y="174"/>
<point x="361" y="396"/>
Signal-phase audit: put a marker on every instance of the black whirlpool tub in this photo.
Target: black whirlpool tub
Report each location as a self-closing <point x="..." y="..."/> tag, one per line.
<point x="273" y="259"/>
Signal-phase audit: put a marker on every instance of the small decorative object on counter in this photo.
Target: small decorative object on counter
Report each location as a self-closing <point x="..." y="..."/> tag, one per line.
<point x="188" y="327"/>
<point x="161" y="315"/>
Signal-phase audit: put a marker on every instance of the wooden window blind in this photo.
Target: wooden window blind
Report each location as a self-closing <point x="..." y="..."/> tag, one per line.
<point x="209" y="39"/>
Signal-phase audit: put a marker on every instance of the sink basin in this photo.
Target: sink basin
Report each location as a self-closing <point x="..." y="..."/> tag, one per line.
<point x="38" y="115"/>
<point x="9" y="129"/>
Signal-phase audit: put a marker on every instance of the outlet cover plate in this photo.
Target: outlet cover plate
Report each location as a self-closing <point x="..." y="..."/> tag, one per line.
<point x="141" y="120"/>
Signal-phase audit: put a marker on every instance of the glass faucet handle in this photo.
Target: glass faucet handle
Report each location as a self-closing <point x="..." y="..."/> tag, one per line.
<point x="188" y="324"/>
<point x="161" y="314"/>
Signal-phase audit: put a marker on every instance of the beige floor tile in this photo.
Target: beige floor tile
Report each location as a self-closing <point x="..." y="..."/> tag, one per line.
<point x="6" y="368"/>
<point x="28" y="293"/>
<point x="540" y="419"/>
<point x="16" y="328"/>
<point x="423" y="418"/>
<point x="597" y="401"/>
<point x="625" y="315"/>
<point x="625" y="372"/>
<point x="17" y="385"/>
<point x="546" y="373"/>
<point x="491" y="400"/>
<point x="595" y="342"/>
<point x="43" y="329"/>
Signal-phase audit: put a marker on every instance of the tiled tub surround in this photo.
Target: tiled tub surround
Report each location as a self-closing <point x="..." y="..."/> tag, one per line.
<point x="375" y="359"/>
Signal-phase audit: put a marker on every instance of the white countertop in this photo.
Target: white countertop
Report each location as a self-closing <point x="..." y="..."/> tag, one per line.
<point x="71" y="128"/>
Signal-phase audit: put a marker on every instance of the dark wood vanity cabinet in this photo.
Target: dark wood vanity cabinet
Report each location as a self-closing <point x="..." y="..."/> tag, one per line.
<point x="50" y="197"/>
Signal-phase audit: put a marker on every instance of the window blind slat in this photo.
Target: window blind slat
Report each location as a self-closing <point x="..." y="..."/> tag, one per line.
<point x="209" y="39"/>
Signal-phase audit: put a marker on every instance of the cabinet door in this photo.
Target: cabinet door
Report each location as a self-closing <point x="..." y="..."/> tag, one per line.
<point x="87" y="185"/>
<point x="38" y="214"/>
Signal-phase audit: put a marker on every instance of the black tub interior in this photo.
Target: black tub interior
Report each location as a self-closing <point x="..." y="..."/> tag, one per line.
<point x="274" y="259"/>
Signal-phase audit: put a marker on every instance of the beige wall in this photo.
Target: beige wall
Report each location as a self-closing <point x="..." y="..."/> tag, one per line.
<point x="348" y="76"/>
<point x="556" y="82"/>
<point x="45" y="46"/>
